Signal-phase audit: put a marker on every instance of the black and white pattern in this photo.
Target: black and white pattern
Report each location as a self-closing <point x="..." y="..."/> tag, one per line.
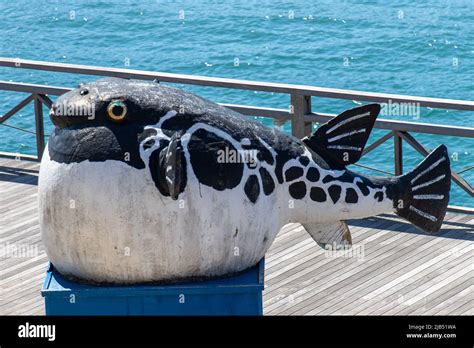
<point x="157" y="183"/>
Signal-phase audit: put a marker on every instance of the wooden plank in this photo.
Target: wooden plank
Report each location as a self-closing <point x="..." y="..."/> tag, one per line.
<point x="16" y="288"/>
<point x="311" y="265"/>
<point x="450" y="305"/>
<point x="364" y="282"/>
<point x="358" y="302"/>
<point x="296" y="267"/>
<point x="33" y="285"/>
<point x="437" y="297"/>
<point x="23" y="266"/>
<point x="19" y="234"/>
<point x="452" y="272"/>
<point x="356" y="232"/>
<point x="311" y="290"/>
<point x="26" y="223"/>
<point x="464" y="309"/>
<point x="409" y="274"/>
<point x="348" y="298"/>
<point x="298" y="239"/>
<point x="28" y="301"/>
<point x="37" y="309"/>
<point x="444" y="263"/>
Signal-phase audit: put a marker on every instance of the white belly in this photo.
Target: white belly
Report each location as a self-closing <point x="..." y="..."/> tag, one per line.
<point x="107" y="222"/>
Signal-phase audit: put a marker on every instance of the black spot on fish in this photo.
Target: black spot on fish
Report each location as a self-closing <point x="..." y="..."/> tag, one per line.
<point x="346" y="177"/>
<point x="317" y="194"/>
<point x="149" y="143"/>
<point x="379" y="196"/>
<point x="297" y="190"/>
<point x="204" y="149"/>
<point x="285" y="151"/>
<point x="304" y="160"/>
<point x="351" y="196"/>
<point x="312" y="174"/>
<point x="334" y="192"/>
<point x="267" y="181"/>
<point x="252" y="188"/>
<point x="264" y="155"/>
<point x="363" y="188"/>
<point x="181" y="121"/>
<point x="293" y="173"/>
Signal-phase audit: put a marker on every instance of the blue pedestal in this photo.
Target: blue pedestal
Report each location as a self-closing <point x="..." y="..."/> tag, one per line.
<point x="237" y="295"/>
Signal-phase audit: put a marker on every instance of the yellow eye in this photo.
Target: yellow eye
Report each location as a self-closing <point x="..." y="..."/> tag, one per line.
<point x="117" y="110"/>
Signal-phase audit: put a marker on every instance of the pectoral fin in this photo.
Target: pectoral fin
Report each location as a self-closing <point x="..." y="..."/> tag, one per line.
<point x="335" y="235"/>
<point x="172" y="168"/>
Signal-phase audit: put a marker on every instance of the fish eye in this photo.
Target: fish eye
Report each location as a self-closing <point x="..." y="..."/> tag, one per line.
<point x="84" y="91"/>
<point x="117" y="110"/>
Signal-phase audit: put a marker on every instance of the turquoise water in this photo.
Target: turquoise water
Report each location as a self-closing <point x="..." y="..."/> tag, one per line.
<point x="414" y="48"/>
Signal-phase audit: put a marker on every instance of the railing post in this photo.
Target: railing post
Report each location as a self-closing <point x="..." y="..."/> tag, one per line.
<point x="300" y="106"/>
<point x="398" y="158"/>
<point x="39" y="127"/>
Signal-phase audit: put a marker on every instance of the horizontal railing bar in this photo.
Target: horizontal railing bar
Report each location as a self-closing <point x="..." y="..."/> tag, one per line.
<point x="280" y="114"/>
<point x="417" y="127"/>
<point x="238" y="84"/>
<point x="18" y="156"/>
<point x="460" y="209"/>
<point x="32" y="88"/>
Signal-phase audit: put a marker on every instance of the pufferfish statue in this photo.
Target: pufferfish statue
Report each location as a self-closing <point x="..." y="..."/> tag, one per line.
<point x="157" y="184"/>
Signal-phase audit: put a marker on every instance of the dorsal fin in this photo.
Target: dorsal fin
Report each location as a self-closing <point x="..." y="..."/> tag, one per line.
<point x="340" y="142"/>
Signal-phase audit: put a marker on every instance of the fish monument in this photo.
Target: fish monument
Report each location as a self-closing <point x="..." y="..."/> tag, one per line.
<point x="142" y="182"/>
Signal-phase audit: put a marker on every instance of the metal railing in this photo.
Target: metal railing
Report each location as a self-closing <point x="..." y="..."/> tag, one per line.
<point x="299" y="114"/>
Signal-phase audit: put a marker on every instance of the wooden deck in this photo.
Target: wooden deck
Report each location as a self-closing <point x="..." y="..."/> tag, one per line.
<point x="391" y="269"/>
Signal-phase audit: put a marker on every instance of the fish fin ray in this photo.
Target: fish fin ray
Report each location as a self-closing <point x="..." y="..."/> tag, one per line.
<point x="172" y="163"/>
<point x="334" y="235"/>
<point x="340" y="141"/>
<point x="422" y="195"/>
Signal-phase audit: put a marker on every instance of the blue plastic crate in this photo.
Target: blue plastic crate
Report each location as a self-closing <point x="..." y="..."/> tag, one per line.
<point x="237" y="295"/>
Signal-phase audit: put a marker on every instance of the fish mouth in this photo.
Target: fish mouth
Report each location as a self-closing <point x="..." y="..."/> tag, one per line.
<point x="64" y="113"/>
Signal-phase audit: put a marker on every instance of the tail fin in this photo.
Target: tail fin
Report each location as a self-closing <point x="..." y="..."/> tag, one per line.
<point x="422" y="195"/>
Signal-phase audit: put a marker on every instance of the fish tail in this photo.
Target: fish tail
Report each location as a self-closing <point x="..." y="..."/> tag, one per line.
<point x="422" y="195"/>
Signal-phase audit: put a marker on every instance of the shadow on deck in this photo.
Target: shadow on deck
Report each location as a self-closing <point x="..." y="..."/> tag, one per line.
<point x="392" y="269"/>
